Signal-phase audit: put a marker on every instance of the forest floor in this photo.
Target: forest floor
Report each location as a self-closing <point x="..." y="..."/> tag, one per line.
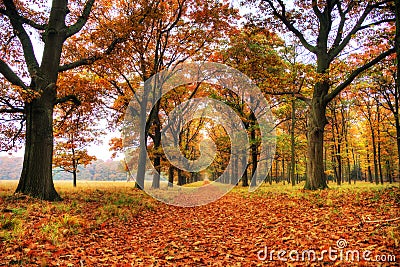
<point x="112" y="224"/>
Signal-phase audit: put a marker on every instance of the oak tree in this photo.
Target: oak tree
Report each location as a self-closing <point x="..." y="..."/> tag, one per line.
<point x="33" y="77"/>
<point x="326" y="29"/>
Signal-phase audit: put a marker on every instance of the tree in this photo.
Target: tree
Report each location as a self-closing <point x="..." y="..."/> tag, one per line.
<point x="35" y="82"/>
<point x="72" y="135"/>
<point x="68" y="157"/>
<point x="336" y="23"/>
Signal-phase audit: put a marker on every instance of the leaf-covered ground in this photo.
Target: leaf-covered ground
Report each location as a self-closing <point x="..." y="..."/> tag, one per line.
<point x="120" y="226"/>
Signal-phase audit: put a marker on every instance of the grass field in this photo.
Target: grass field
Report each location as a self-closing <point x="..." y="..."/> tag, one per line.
<point x="112" y="224"/>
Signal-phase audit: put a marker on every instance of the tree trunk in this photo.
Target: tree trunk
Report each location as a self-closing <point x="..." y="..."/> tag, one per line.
<point x="316" y="178"/>
<point x="283" y="170"/>
<point x="388" y="171"/>
<point x="141" y="167"/>
<point x="379" y="144"/>
<point x="245" y="180"/>
<point x="157" y="157"/>
<point x="348" y="156"/>
<point x="74" y="166"/>
<point x="376" y="172"/>
<point x="171" y="176"/>
<point x="339" y="164"/>
<point x="156" y="175"/>
<point x="36" y="177"/>
<point x="369" y="167"/>
<point x="181" y="178"/>
<point x="254" y="150"/>
<point x="397" y="82"/>
<point x="74" y="177"/>
<point x="397" y="123"/>
<point x="292" y="143"/>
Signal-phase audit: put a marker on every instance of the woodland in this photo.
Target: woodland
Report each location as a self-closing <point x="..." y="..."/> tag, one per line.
<point x="70" y="69"/>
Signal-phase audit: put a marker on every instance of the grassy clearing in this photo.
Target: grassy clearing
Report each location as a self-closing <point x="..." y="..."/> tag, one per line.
<point x="87" y="206"/>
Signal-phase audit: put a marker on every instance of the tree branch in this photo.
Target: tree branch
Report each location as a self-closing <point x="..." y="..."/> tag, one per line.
<point x="376" y="23"/>
<point x="27" y="21"/>
<point x="78" y="63"/>
<point x="316" y="9"/>
<point x="289" y="25"/>
<point x="10" y="75"/>
<point x="75" y="28"/>
<point x="342" y="22"/>
<point x="355" y="73"/>
<point x="12" y="110"/>
<point x="338" y="47"/>
<point x="27" y="46"/>
<point x="67" y="98"/>
<point x="92" y="59"/>
<point x="295" y="94"/>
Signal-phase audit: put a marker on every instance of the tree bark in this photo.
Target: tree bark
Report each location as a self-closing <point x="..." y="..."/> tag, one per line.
<point x="156" y="175"/>
<point x="379" y="144"/>
<point x="316" y="178"/>
<point x="292" y="143"/>
<point x="235" y="168"/>
<point x="171" y="175"/>
<point x="254" y="150"/>
<point x="36" y="177"/>
<point x="141" y="167"/>
<point x="397" y="81"/>
<point x="369" y="166"/>
<point x="245" y="180"/>
<point x="181" y="178"/>
<point x="157" y="156"/>
<point x="74" y="166"/>
<point x="74" y="175"/>
<point x="376" y="172"/>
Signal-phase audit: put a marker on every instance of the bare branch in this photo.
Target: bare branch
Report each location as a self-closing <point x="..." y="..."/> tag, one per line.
<point x="27" y="46"/>
<point x="283" y="17"/>
<point x="12" y="110"/>
<point x="355" y="73"/>
<point x="67" y="98"/>
<point x="339" y="46"/>
<point x="75" y="28"/>
<point x="10" y="75"/>
<point x="92" y="59"/>
<point x="78" y="63"/>
<point x="376" y="23"/>
<point x="316" y="9"/>
<point x="27" y="21"/>
<point x="342" y="23"/>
